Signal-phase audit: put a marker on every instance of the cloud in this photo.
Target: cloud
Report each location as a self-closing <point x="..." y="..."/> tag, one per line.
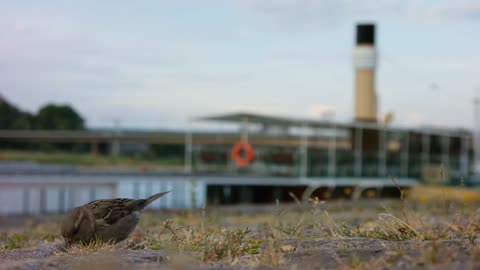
<point x="321" y="110"/>
<point x="329" y="12"/>
<point x="295" y="13"/>
<point x="414" y="119"/>
<point x="20" y="27"/>
<point x="157" y="69"/>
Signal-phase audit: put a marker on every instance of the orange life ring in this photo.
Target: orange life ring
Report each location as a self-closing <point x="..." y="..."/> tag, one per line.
<point x="247" y="157"/>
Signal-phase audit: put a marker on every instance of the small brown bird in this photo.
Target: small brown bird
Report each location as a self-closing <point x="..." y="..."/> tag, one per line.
<point x="110" y="220"/>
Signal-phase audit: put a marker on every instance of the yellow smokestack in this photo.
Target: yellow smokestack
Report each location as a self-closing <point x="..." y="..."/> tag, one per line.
<point x="364" y="59"/>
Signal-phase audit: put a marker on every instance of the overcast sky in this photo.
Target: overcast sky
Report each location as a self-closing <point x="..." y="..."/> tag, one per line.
<point x="156" y="64"/>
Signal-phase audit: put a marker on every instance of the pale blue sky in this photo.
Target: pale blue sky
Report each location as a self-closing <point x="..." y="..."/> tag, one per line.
<point x="155" y="64"/>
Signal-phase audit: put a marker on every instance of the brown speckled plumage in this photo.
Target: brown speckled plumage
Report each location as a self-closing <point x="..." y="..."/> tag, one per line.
<point x="110" y="220"/>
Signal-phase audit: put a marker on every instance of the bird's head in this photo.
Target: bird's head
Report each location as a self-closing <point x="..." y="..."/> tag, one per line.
<point x="71" y="224"/>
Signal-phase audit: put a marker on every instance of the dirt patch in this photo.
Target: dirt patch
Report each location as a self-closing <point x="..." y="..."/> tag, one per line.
<point x="346" y="253"/>
<point x="51" y="257"/>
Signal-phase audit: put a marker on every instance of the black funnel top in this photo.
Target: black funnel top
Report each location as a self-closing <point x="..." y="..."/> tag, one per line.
<point x="365" y="34"/>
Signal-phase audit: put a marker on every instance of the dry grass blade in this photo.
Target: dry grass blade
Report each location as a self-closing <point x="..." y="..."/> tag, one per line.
<point x="92" y="247"/>
<point x="402" y="200"/>
<point x="388" y="215"/>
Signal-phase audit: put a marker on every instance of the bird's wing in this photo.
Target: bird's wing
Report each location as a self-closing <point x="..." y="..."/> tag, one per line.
<point x="108" y="212"/>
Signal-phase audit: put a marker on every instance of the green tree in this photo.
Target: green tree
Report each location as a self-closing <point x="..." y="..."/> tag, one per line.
<point x="13" y="118"/>
<point x="59" y="117"/>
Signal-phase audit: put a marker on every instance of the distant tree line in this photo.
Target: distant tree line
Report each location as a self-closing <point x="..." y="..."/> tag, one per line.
<point x="49" y="117"/>
<point x="62" y="117"/>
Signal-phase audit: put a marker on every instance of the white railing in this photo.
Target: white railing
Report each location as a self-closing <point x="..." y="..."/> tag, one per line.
<point x="34" y="194"/>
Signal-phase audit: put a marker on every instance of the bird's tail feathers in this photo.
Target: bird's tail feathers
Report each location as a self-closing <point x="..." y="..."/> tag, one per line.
<point x="154" y="197"/>
<point x="138" y="205"/>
